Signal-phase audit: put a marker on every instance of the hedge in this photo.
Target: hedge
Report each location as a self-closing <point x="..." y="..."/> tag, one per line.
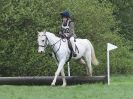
<point x="21" y="19"/>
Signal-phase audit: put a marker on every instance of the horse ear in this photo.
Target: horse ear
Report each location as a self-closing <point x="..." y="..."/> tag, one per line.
<point x="38" y="32"/>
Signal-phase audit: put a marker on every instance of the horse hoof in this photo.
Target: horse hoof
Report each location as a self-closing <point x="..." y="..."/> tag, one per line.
<point x="52" y="84"/>
<point x="64" y="85"/>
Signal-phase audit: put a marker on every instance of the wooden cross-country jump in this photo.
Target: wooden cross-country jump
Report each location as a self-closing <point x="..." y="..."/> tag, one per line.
<point x="71" y="80"/>
<point x="46" y="80"/>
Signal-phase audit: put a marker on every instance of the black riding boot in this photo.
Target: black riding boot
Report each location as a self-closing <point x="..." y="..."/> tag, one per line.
<point x="71" y="49"/>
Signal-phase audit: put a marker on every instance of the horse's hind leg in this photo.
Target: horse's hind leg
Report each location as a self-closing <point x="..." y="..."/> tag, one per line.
<point x="82" y="62"/>
<point x="88" y="62"/>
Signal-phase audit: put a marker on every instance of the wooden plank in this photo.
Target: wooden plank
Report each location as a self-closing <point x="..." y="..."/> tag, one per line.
<point x="46" y="80"/>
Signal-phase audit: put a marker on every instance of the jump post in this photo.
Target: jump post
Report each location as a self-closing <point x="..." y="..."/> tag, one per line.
<point x="109" y="48"/>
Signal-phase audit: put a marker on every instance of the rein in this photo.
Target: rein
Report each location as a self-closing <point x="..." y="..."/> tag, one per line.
<point x="55" y="44"/>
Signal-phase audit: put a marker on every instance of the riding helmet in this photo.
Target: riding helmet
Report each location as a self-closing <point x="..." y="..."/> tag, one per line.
<point x="65" y="14"/>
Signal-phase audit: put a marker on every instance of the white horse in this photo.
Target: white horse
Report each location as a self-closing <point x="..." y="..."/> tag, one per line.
<point x="62" y="51"/>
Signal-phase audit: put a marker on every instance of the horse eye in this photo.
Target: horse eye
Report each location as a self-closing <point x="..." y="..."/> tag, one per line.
<point x="42" y="40"/>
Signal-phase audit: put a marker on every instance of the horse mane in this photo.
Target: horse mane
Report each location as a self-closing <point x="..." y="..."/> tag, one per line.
<point x="52" y="34"/>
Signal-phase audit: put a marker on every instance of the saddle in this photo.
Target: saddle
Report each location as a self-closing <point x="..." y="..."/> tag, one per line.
<point x="67" y="36"/>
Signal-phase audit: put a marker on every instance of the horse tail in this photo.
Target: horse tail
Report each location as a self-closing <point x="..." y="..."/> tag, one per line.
<point x="93" y="56"/>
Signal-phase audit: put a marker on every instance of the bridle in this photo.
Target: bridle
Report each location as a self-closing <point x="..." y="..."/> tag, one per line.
<point x="45" y="45"/>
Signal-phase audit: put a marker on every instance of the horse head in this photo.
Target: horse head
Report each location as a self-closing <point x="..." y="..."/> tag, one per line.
<point x="42" y="41"/>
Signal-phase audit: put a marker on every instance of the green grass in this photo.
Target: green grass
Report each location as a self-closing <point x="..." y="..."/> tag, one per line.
<point x="121" y="88"/>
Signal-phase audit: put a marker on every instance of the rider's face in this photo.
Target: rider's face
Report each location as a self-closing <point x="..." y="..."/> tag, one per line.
<point x="64" y="19"/>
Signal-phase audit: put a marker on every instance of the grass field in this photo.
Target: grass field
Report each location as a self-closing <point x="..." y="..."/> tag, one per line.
<point x="121" y="88"/>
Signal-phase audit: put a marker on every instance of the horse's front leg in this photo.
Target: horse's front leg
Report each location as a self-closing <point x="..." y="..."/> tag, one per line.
<point x="60" y="67"/>
<point x="63" y="77"/>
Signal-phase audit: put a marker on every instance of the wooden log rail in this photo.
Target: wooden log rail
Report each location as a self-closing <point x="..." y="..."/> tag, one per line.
<point x="46" y="80"/>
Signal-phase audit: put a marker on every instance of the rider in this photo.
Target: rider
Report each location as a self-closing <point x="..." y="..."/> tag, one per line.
<point x="67" y="29"/>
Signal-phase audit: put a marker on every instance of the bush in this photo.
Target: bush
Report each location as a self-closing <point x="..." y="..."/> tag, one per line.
<point x="21" y="19"/>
